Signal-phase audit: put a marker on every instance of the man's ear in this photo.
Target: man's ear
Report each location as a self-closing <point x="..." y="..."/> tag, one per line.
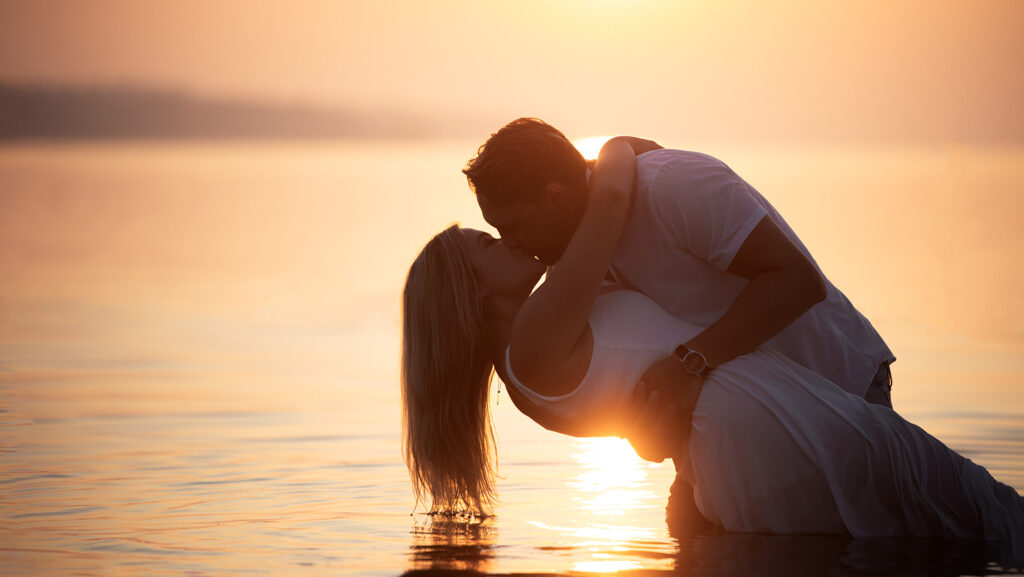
<point x="555" y="193"/>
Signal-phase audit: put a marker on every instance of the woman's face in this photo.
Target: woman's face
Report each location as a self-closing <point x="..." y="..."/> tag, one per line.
<point x="499" y="269"/>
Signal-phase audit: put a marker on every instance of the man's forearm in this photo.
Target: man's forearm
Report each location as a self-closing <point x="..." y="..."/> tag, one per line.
<point x="770" y="302"/>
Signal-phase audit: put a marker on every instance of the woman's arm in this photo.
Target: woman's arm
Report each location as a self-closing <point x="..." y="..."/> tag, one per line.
<point x="553" y="320"/>
<point x="639" y="146"/>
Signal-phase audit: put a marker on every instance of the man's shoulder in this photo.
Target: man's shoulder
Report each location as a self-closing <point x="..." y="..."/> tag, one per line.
<point x="675" y="155"/>
<point x="672" y="166"/>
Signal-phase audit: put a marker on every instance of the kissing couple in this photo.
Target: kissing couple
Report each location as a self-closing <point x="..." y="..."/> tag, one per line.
<point x="679" y="311"/>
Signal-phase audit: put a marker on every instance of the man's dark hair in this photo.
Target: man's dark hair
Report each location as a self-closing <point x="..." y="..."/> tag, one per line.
<point x="517" y="162"/>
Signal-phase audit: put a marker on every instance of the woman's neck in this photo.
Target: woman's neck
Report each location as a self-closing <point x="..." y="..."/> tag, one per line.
<point x="500" y="316"/>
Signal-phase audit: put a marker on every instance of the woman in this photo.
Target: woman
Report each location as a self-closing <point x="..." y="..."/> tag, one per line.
<point x="773" y="446"/>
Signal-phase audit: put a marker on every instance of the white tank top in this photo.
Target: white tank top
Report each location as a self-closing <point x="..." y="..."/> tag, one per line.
<point x="631" y="332"/>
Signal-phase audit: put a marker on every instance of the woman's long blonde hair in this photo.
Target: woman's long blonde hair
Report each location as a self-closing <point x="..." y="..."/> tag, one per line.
<point x="448" y="439"/>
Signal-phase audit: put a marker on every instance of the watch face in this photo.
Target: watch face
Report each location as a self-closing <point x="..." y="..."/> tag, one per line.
<point x="694" y="362"/>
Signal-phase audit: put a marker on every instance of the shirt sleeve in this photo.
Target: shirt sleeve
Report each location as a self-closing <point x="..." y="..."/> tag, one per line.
<point x="705" y="208"/>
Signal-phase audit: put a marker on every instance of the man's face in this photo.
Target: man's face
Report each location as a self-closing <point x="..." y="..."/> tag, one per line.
<point x="541" y="227"/>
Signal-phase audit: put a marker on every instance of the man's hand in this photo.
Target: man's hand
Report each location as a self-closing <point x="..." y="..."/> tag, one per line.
<point x="663" y="403"/>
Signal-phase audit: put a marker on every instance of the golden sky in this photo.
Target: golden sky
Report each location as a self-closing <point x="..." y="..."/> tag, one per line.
<point x="935" y="69"/>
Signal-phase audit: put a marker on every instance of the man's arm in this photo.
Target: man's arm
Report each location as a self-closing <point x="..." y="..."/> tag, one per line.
<point x="783" y="285"/>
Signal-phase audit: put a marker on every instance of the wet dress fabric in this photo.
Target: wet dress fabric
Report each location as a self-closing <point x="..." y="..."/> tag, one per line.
<point x="777" y="448"/>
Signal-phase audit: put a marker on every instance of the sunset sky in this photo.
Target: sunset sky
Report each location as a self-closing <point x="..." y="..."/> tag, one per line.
<point x="912" y="70"/>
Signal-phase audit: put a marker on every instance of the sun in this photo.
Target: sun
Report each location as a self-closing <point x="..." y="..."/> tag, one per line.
<point x="590" y="146"/>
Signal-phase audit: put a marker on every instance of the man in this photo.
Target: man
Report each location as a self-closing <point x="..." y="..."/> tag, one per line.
<point x="702" y="243"/>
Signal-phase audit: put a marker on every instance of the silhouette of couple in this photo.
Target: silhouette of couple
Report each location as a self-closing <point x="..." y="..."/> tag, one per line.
<point x="679" y="311"/>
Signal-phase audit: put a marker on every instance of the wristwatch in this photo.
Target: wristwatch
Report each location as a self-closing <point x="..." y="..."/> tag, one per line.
<point x="693" y="361"/>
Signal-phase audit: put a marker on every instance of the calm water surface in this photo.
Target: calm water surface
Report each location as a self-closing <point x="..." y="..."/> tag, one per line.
<point x="199" y="347"/>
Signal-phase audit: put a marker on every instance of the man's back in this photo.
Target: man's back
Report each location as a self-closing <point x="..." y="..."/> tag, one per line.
<point x="690" y="216"/>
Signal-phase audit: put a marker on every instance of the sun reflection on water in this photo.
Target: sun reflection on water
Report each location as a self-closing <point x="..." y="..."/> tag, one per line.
<point x="613" y="507"/>
<point x="605" y="566"/>
<point x="614" y="479"/>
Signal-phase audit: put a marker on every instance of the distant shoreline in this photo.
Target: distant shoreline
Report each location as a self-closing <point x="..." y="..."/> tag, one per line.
<point x="43" y="113"/>
<point x="59" y="113"/>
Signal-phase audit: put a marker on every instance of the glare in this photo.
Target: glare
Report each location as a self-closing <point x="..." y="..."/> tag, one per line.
<point x="610" y="507"/>
<point x="609" y="462"/>
<point x="590" y="146"/>
<point x="605" y="566"/>
<point x="614" y="478"/>
<point x="600" y="536"/>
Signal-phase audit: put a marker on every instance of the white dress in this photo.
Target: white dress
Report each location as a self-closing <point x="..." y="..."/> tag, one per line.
<point x="777" y="448"/>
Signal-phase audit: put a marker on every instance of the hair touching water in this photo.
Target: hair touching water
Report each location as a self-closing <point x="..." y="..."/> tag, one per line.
<point x="448" y="439"/>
